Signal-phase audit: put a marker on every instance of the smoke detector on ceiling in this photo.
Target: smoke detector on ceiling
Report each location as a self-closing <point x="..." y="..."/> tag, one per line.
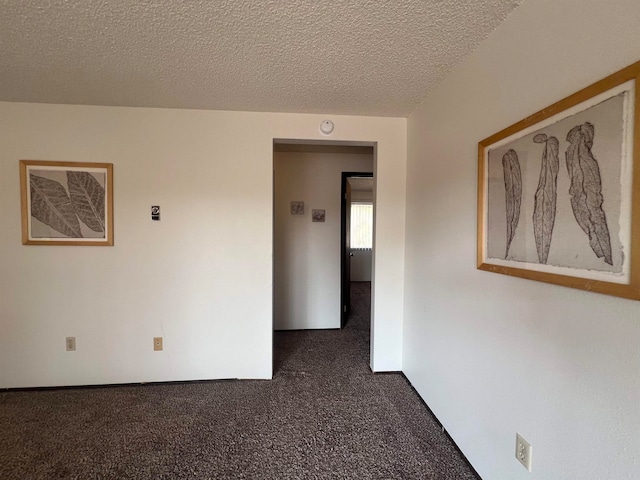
<point x="326" y="127"/>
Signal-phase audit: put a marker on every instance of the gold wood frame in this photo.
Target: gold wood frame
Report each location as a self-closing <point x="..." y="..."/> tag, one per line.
<point x="502" y="248"/>
<point x="72" y="203"/>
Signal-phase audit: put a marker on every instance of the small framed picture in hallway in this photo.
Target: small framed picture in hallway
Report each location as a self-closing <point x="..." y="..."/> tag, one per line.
<point x="297" y="208"/>
<point x="317" y="215"/>
<point x="66" y="203"/>
<point x="559" y="192"/>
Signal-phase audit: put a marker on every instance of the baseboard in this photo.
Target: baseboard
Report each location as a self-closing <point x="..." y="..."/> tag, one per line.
<point x="287" y="330"/>
<point x="441" y="426"/>
<point x="129" y="384"/>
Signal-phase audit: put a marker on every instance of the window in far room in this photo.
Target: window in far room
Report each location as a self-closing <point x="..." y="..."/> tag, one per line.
<point x="361" y="225"/>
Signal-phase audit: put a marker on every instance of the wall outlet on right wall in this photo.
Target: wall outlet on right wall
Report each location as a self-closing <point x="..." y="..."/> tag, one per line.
<point x="523" y="451"/>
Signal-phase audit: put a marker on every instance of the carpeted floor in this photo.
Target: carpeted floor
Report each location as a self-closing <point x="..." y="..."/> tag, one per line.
<point x="324" y="415"/>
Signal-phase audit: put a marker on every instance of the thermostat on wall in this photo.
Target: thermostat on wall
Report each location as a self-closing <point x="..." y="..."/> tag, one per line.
<point x="326" y="127"/>
<point x="155" y="212"/>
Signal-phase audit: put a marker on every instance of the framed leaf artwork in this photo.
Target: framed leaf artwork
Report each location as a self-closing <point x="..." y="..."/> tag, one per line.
<point x="559" y="192"/>
<point x="66" y="203"/>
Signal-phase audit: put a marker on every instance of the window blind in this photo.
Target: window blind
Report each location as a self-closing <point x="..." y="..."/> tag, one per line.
<point x="361" y="225"/>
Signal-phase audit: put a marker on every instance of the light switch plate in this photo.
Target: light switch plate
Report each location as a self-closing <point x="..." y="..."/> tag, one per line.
<point x="157" y="343"/>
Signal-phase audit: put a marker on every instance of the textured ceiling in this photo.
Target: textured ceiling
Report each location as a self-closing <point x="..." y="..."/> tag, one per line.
<point x="361" y="57"/>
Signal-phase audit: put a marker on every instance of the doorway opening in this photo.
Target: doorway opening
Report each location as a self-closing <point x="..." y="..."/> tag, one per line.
<point x="356" y="250"/>
<point x="309" y="284"/>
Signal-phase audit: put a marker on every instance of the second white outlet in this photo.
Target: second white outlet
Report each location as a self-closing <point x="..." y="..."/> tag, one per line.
<point x="71" y="344"/>
<point x="523" y="451"/>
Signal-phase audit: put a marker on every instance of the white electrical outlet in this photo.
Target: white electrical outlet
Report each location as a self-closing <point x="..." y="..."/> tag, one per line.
<point x="523" y="451"/>
<point x="71" y="344"/>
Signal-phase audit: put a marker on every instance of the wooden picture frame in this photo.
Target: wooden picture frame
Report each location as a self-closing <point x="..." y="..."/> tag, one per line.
<point x="66" y="203"/>
<point x="559" y="192"/>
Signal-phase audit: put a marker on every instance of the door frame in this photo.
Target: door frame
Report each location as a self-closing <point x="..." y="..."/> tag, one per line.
<point x="311" y="143"/>
<point x="345" y="273"/>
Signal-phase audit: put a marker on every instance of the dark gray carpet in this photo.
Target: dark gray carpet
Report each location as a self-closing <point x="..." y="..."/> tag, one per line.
<point x="324" y="415"/>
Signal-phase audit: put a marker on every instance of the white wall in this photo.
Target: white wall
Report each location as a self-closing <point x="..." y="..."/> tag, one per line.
<point x="491" y="354"/>
<point x="307" y="254"/>
<point x="362" y="195"/>
<point x="202" y="277"/>
<point x="361" y="265"/>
